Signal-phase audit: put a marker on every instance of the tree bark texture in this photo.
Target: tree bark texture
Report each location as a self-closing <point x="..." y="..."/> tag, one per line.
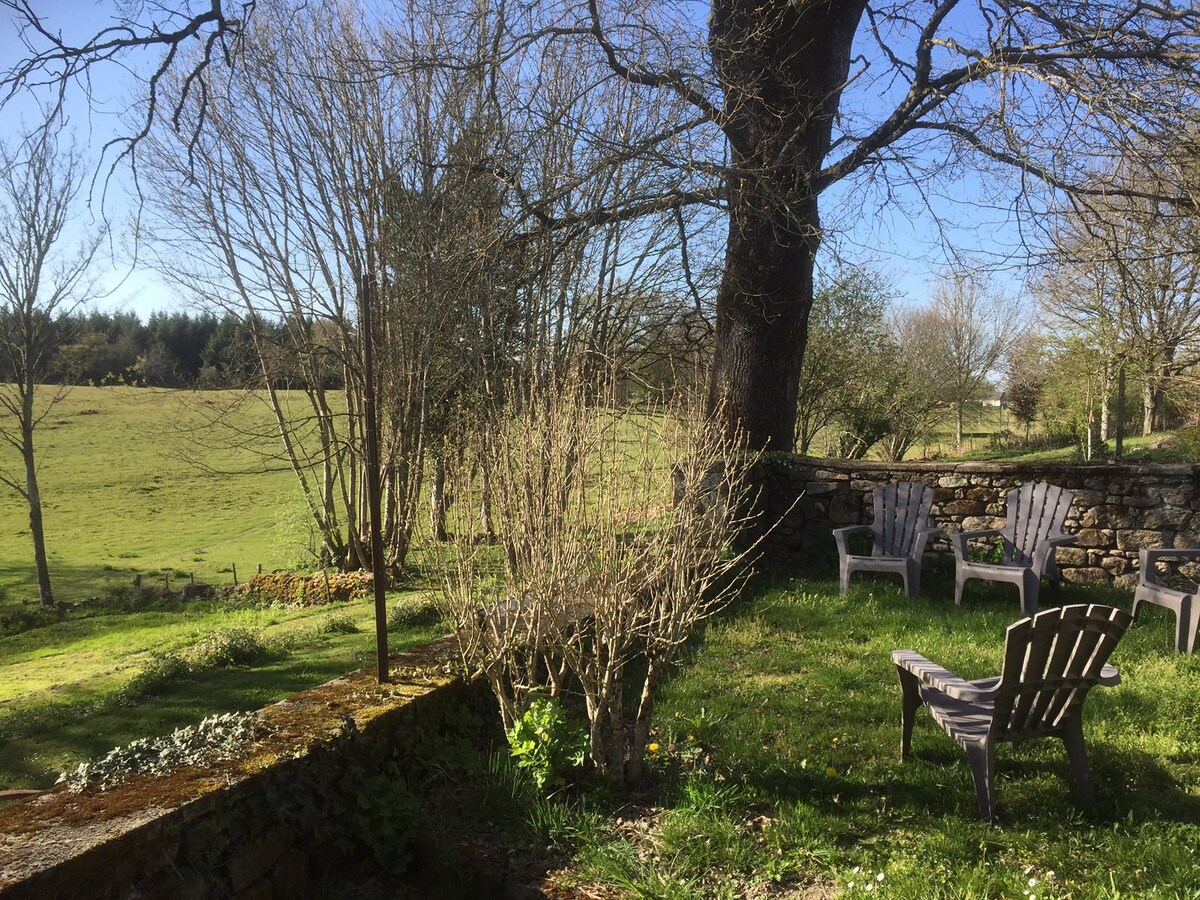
<point x="34" y="496"/>
<point x="782" y="66"/>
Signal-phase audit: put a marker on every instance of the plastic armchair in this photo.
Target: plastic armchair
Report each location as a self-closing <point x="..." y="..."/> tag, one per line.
<point x="899" y="532"/>
<point x="1184" y="604"/>
<point x="1051" y="661"/>
<point x="1031" y="534"/>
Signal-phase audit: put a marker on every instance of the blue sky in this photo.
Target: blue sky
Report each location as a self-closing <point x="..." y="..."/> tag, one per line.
<point x="894" y="231"/>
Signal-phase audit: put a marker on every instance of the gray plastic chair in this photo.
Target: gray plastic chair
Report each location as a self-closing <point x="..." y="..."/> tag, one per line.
<point x="1182" y="603"/>
<point x="1051" y="661"/>
<point x="899" y="533"/>
<point x="1036" y="513"/>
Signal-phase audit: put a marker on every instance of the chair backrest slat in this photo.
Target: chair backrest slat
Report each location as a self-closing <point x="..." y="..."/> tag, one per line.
<point x="1050" y="663"/>
<point x="1034" y="511"/>
<point x="901" y="509"/>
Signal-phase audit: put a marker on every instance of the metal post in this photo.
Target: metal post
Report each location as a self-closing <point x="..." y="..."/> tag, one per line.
<point x="1120" y="412"/>
<point x="374" y="504"/>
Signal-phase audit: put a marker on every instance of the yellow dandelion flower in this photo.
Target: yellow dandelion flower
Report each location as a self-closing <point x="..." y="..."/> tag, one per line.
<point x="831" y="772"/>
<point x="653" y="748"/>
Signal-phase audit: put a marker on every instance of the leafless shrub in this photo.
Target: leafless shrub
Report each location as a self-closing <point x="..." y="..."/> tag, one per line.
<point x="614" y="545"/>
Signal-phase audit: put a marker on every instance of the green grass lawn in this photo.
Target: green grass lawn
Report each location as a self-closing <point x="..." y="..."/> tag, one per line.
<point x="778" y="753"/>
<point x="140" y="481"/>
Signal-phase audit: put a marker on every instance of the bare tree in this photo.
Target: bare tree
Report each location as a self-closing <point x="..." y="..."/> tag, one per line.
<point x="775" y="89"/>
<point x="616" y="532"/>
<point x="963" y="336"/>
<point x="41" y="278"/>
<point x="1123" y="276"/>
<point x="1080" y="298"/>
<point x="280" y="211"/>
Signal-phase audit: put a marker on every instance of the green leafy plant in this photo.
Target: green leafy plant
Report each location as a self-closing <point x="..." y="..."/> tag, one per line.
<point x="386" y="815"/>
<point x="413" y="612"/>
<point x="546" y="743"/>
<point x="340" y="623"/>
<point x="231" y="647"/>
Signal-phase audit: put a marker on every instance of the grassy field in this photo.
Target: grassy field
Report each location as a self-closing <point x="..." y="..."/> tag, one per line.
<point x="148" y="482"/>
<point x="124" y="494"/>
<point x="778" y="754"/>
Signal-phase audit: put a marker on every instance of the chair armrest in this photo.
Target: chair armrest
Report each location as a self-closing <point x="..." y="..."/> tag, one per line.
<point x="1153" y="555"/>
<point x="1046" y="547"/>
<point x="840" y="535"/>
<point x="958" y="540"/>
<point x="922" y="537"/>
<point x="942" y="679"/>
<point x="1147" y="557"/>
<point x="1058" y="538"/>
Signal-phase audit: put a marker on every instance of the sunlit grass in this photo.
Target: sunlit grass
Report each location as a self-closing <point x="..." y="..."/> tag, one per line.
<point x="778" y="750"/>
<point x="137" y="481"/>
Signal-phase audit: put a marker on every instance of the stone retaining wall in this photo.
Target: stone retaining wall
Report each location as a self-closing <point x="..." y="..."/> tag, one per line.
<point x="254" y="828"/>
<point x="1117" y="509"/>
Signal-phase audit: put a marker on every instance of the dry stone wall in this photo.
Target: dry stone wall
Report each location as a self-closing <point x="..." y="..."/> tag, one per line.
<point x="1117" y="509"/>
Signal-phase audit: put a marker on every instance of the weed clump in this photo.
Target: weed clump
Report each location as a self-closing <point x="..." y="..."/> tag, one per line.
<point x="340" y="623"/>
<point x="231" y="647"/>
<point x="414" y="613"/>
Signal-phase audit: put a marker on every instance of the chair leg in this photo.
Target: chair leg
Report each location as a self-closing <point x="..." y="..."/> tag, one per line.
<point x="844" y="575"/>
<point x="982" y="758"/>
<point x="1072" y="735"/>
<point x="959" y="581"/>
<point x="1187" y="623"/>
<point x="912" y="578"/>
<point x="910" y="702"/>
<point x="1029" y="588"/>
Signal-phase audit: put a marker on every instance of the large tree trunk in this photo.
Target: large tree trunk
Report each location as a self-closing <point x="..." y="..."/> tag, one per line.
<point x="762" y="319"/>
<point x="782" y="65"/>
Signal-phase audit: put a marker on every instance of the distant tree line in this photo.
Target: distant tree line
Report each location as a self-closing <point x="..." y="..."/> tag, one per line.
<point x="170" y="350"/>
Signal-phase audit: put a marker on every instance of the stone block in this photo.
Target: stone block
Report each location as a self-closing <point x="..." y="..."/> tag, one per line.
<point x="819" y="488"/>
<point x="1089" y="575"/>
<point x="1136" y="539"/>
<point x="1096" y="537"/>
<point x="1127" y="582"/>
<point x="953" y="481"/>
<point x="1088" y="497"/>
<point x="1108" y="515"/>
<point x="1168" y="519"/>
<point x="1115" y="564"/>
<point x="980" y="523"/>
<point x="843" y="511"/>
<point x="1139" y="502"/>
<point x="254" y="861"/>
<point x="1171" y="495"/>
<point x="1071" y="556"/>
<point x="1185" y="541"/>
<point x="963" y="508"/>
<point x="830" y="475"/>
